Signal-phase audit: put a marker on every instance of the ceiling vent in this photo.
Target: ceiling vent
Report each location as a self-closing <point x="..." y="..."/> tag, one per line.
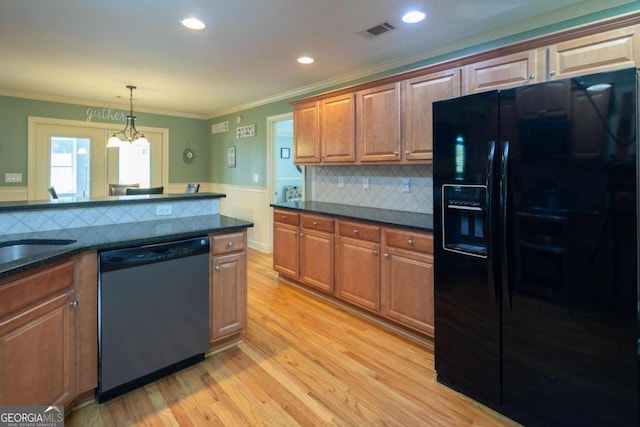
<point x="379" y="29"/>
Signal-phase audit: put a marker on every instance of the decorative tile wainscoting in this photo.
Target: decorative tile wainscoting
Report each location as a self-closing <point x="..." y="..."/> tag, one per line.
<point x="385" y="186"/>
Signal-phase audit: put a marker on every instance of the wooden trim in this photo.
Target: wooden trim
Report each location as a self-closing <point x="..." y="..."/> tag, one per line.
<point x="533" y="43"/>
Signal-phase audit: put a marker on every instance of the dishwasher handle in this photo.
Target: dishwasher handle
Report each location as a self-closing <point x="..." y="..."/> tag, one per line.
<point x="149" y="254"/>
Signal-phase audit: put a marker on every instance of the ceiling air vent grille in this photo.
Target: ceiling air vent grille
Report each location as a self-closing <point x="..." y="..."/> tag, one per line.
<point x="379" y="29"/>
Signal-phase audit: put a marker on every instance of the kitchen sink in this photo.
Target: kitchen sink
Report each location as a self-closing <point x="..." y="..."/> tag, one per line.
<point x="15" y="250"/>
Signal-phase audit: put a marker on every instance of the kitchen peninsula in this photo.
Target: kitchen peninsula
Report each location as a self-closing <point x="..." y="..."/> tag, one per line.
<point x="49" y="298"/>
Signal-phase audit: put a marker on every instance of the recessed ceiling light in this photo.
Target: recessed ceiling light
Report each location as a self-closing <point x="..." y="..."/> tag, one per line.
<point x="305" y="60"/>
<point x="193" y="24"/>
<point x="413" y="17"/>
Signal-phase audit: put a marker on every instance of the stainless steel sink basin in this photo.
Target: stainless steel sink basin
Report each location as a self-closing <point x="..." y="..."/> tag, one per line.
<point x="13" y="251"/>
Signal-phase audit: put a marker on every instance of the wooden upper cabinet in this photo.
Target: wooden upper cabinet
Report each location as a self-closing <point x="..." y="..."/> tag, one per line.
<point x="513" y="70"/>
<point x="306" y="133"/>
<point x="378" y="123"/>
<point x="605" y="51"/>
<point x="419" y="95"/>
<point x="338" y="129"/>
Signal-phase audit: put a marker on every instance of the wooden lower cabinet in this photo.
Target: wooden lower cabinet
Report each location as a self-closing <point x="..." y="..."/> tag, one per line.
<point x="358" y="264"/>
<point x="317" y="252"/>
<point x="285" y="243"/>
<point x="384" y="270"/>
<point x="48" y="356"/>
<point x="407" y="279"/>
<point x="228" y="285"/>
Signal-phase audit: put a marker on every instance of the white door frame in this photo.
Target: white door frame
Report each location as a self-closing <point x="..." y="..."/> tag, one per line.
<point x="33" y="123"/>
<point x="272" y="157"/>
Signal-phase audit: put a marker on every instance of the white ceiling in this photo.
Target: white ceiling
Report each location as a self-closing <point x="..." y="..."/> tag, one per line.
<point x="88" y="51"/>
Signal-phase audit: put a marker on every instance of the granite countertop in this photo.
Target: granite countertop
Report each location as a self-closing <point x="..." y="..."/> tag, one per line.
<point x="114" y="236"/>
<point x="415" y="220"/>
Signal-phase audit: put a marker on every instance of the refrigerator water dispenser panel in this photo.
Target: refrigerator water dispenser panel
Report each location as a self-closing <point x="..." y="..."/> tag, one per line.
<point x="464" y="218"/>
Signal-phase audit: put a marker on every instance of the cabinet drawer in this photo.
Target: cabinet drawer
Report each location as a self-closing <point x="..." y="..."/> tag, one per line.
<point x="229" y="242"/>
<point x="359" y="230"/>
<point x="20" y="293"/>
<point x="286" y="217"/>
<point x="410" y="240"/>
<point x="317" y="223"/>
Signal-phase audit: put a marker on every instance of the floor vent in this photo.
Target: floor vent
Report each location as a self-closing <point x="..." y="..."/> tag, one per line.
<point x="379" y="29"/>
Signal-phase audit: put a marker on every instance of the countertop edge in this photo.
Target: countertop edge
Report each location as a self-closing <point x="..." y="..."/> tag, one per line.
<point x="10" y="268"/>
<point x="373" y="215"/>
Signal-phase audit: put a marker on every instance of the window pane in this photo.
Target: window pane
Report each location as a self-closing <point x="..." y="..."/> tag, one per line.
<point x="70" y="166"/>
<point x="135" y="165"/>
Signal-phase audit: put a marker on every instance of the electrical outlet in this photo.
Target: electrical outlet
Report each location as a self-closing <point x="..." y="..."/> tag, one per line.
<point x="256" y="178"/>
<point x="12" y="177"/>
<point x="365" y="183"/>
<point x="341" y="182"/>
<point x="406" y="185"/>
<point x="163" y="210"/>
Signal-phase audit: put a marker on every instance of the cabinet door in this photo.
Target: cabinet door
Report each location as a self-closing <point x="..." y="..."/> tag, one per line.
<point x="306" y="133"/>
<point x="228" y="295"/>
<point x="407" y="289"/>
<point x="285" y="249"/>
<point x="378" y="123"/>
<point x="316" y="260"/>
<point x="338" y="129"/>
<point x="37" y="354"/>
<point x="358" y="272"/>
<point x="419" y="95"/>
<point x="596" y="53"/>
<point x="513" y="70"/>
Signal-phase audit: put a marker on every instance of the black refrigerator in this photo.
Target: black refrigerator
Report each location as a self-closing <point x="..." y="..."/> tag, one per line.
<point x="536" y="250"/>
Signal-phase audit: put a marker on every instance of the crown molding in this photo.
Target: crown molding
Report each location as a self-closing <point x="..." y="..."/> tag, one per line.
<point x="99" y="104"/>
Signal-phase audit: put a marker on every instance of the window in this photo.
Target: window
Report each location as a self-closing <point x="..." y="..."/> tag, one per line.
<point x="69" y="172"/>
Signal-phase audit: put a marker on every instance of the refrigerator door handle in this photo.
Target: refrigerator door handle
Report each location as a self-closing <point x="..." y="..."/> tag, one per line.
<point x="504" y="191"/>
<point x="489" y="222"/>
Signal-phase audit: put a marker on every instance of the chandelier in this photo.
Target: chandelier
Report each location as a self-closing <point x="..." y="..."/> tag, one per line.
<point x="129" y="133"/>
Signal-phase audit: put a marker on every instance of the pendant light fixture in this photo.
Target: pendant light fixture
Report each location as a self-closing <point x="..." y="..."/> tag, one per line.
<point x="129" y="133"/>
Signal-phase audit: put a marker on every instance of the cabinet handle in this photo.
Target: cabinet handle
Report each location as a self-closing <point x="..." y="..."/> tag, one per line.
<point x="410" y="242"/>
<point x="74" y="303"/>
<point x="532" y="76"/>
<point x="230" y="244"/>
<point x="216" y="268"/>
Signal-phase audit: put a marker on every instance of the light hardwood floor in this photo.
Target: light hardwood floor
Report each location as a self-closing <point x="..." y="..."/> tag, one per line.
<point x="303" y="362"/>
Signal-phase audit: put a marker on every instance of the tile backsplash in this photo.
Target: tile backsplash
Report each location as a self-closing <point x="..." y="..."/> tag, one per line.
<point x="345" y="184"/>
<point x="26" y="221"/>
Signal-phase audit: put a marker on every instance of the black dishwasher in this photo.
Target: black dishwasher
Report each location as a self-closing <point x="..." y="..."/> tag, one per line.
<point x="153" y="313"/>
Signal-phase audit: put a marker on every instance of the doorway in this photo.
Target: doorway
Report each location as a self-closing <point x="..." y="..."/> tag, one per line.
<point x="283" y="172"/>
<point x="72" y="157"/>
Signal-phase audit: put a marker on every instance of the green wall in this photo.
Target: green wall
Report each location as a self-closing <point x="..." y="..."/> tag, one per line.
<point x="14" y="113"/>
<point x="251" y="152"/>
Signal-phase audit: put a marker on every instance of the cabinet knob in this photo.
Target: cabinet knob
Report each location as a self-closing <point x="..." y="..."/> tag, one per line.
<point x="407" y="152"/>
<point x="284" y="217"/>
<point x="532" y="76"/>
<point x="301" y="234"/>
<point x="374" y="252"/>
<point x="552" y="72"/>
<point x="397" y="153"/>
<point x="74" y="303"/>
<point x="355" y="231"/>
<point x="230" y="244"/>
<point x="386" y="256"/>
<point x="315" y="222"/>
<point x="410" y="241"/>
<point x="216" y="268"/>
